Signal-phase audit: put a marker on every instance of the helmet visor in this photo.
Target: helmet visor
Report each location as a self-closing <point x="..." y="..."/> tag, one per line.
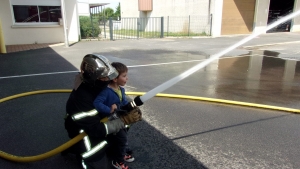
<point x="111" y="72"/>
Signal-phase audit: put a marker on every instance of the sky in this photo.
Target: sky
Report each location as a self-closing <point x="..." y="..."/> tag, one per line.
<point x="112" y="3"/>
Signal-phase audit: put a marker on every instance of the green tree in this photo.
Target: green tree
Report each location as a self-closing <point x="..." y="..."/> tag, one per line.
<point x="87" y="28"/>
<point x="118" y="11"/>
<point x="108" y="12"/>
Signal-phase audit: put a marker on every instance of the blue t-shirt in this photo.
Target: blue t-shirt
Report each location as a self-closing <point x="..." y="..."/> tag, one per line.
<point x="108" y="97"/>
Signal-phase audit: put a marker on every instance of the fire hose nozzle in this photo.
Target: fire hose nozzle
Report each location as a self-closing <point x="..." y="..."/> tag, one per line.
<point x="131" y="105"/>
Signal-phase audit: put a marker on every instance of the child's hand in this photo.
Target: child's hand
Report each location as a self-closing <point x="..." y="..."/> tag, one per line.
<point x="113" y="108"/>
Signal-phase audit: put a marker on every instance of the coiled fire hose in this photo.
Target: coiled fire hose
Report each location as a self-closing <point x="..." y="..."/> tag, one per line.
<point x="76" y="139"/>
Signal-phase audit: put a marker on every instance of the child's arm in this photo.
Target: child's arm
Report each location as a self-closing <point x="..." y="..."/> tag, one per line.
<point x="99" y="104"/>
<point x="113" y="108"/>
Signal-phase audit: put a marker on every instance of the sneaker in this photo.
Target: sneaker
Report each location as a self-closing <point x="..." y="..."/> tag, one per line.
<point x="128" y="158"/>
<point x="120" y="165"/>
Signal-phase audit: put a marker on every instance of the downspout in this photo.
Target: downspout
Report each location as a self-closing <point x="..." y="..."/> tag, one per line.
<point x="2" y="44"/>
<point x="64" y="16"/>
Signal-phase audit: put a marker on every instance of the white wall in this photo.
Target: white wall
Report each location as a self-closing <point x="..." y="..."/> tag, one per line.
<point x="216" y="10"/>
<point x="129" y="8"/>
<point x="72" y="20"/>
<point x="179" y="15"/>
<point x="83" y="8"/>
<point x="179" y="8"/>
<point x="26" y="34"/>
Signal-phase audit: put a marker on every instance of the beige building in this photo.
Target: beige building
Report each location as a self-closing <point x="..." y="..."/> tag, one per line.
<point x="229" y="16"/>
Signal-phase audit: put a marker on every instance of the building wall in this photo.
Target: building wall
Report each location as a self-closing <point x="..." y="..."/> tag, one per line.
<point x="29" y="34"/>
<point x="296" y="21"/>
<point x="244" y="17"/>
<point x="72" y="20"/>
<point x="238" y="16"/>
<point x="129" y="8"/>
<point x="191" y="16"/>
<point x="83" y="7"/>
<point x="261" y="15"/>
<point x="216" y="9"/>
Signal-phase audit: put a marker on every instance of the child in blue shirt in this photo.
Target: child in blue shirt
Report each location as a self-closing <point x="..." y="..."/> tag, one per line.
<point x="107" y="101"/>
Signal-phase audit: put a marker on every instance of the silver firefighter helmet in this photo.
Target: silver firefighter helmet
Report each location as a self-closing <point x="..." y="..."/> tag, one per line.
<point x="96" y="66"/>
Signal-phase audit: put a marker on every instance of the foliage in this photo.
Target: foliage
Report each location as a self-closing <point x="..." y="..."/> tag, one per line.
<point x="87" y="29"/>
<point x="118" y="11"/>
<point x="109" y="12"/>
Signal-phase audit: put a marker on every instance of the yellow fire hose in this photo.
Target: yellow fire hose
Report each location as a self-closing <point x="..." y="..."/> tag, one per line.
<point x="81" y="135"/>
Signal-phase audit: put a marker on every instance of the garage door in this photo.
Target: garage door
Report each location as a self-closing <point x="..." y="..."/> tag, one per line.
<point x="238" y="16"/>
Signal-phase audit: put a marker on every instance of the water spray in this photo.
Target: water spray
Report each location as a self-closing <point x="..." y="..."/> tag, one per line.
<point x="140" y="100"/>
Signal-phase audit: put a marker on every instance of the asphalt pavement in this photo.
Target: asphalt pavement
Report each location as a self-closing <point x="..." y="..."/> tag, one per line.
<point x="174" y="133"/>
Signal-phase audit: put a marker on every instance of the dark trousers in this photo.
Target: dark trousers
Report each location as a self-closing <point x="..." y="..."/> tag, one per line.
<point x="118" y="144"/>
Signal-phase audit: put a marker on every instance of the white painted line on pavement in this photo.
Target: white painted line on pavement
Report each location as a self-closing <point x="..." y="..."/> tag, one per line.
<point x="168" y="63"/>
<point x="133" y="66"/>
<point x="40" y="74"/>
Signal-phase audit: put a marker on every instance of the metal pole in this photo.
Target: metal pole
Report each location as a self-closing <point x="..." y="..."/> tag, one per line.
<point x="168" y="27"/>
<point x="64" y="16"/>
<point x="138" y="28"/>
<point x="211" y="17"/>
<point x="91" y="16"/>
<point x="189" y="25"/>
<point x="103" y="13"/>
<point x="111" y="28"/>
<point x="162" y="27"/>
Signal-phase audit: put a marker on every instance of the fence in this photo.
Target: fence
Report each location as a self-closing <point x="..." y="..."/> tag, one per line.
<point x="154" y="27"/>
<point x="135" y="28"/>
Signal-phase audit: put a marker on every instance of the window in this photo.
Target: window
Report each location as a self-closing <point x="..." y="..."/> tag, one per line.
<point x="36" y="14"/>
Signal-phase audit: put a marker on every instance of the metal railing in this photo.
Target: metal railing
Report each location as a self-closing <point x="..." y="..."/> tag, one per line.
<point x="148" y="27"/>
<point x="158" y="27"/>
